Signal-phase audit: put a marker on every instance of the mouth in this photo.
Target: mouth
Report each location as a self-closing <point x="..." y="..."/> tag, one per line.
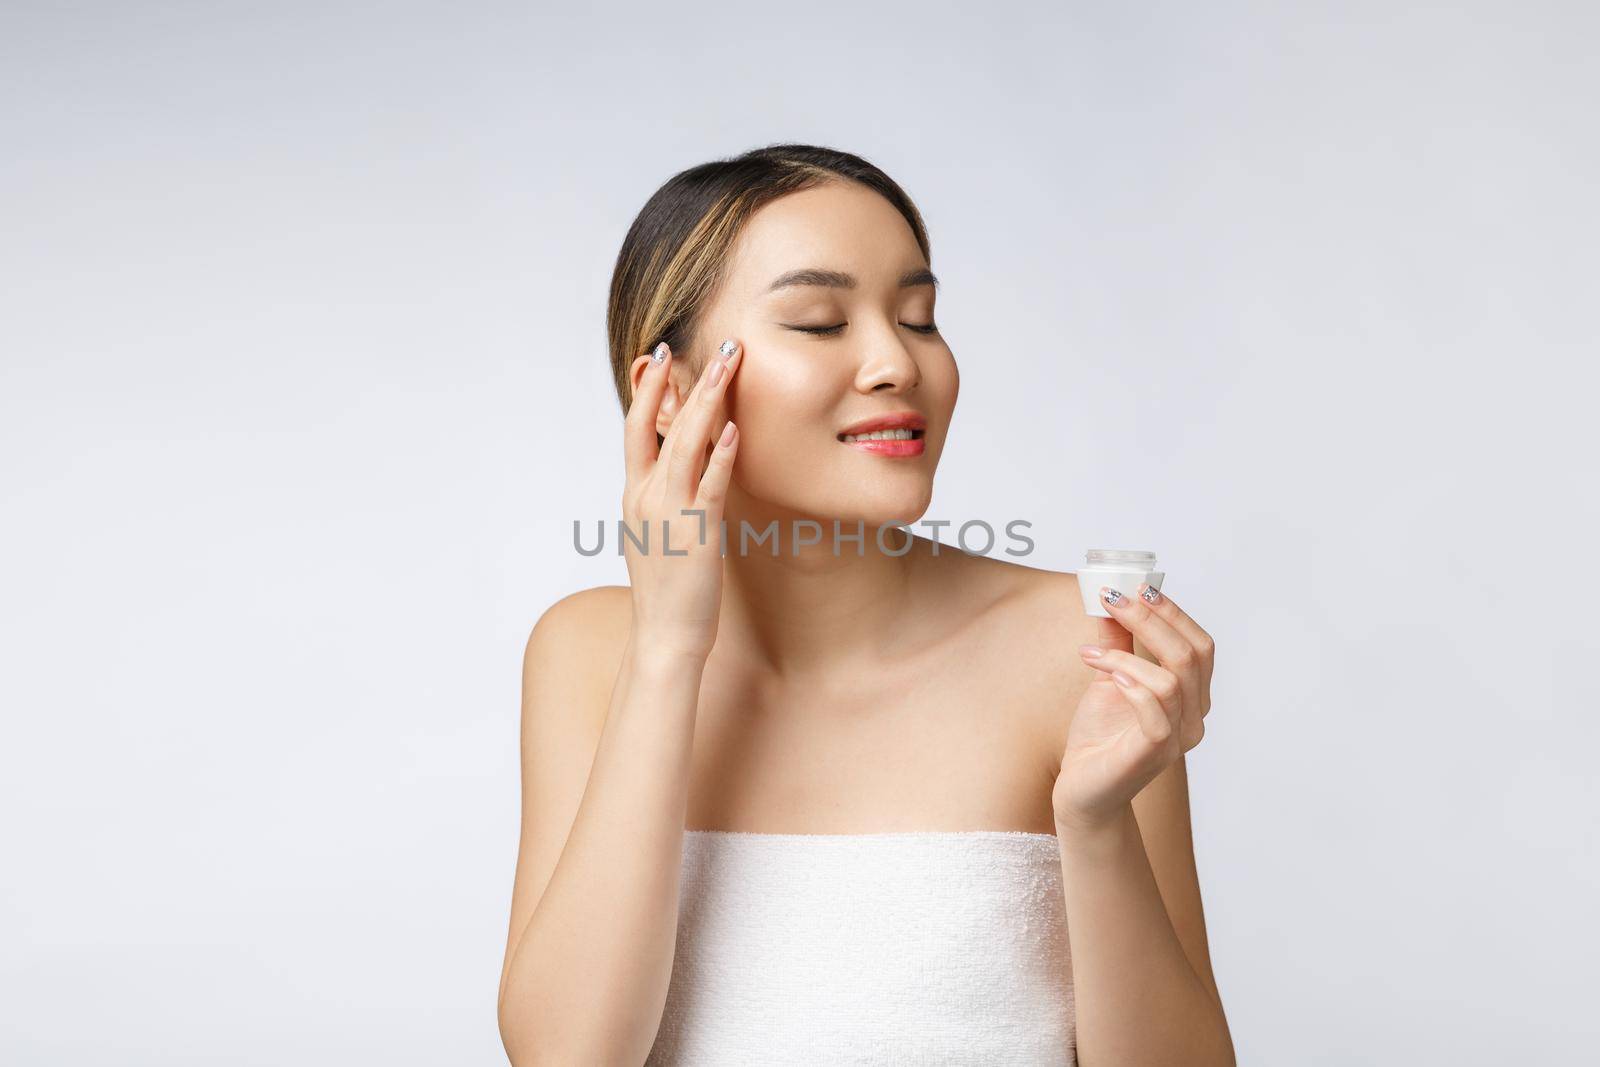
<point x="888" y="435"/>
<point x="882" y="435"/>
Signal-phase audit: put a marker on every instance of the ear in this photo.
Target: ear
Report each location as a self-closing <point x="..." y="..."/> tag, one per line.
<point x="636" y="374"/>
<point x="672" y="398"/>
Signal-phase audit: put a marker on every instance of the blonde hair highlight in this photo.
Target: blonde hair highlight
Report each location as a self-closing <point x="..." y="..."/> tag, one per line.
<point x="678" y="247"/>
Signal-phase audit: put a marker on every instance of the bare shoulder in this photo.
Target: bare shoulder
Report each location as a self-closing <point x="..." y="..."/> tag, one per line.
<point x="1034" y="621"/>
<point x="1038" y="611"/>
<point x="1029" y="622"/>
<point x="1052" y="594"/>
<point x="583" y="633"/>
<point x="569" y="667"/>
<point x="576" y="647"/>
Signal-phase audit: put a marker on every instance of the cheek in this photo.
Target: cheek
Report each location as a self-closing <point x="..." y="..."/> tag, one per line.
<point x="786" y="413"/>
<point x="782" y="398"/>
<point x="942" y="379"/>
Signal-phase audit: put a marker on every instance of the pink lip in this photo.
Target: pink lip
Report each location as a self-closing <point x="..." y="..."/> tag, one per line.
<point x="903" y="420"/>
<point x="900" y="420"/>
<point x="913" y="447"/>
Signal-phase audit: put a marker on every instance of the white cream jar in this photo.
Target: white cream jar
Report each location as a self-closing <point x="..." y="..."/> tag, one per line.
<point x="1122" y="569"/>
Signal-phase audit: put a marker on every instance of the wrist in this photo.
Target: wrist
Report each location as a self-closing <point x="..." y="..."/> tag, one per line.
<point x="664" y="657"/>
<point x="1081" y="830"/>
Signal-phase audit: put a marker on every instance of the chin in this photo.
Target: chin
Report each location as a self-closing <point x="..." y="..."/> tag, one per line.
<point x="828" y="493"/>
<point x="902" y="505"/>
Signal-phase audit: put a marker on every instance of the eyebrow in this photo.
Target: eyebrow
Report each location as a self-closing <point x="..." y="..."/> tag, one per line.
<point x="838" y="279"/>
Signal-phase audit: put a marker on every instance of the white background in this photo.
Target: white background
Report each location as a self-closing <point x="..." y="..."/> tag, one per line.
<point x="305" y="379"/>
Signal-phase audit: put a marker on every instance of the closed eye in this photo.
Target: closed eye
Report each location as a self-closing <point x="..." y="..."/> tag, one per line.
<point x="831" y="331"/>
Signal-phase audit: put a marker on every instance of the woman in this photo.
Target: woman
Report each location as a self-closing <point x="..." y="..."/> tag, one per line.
<point x="809" y="800"/>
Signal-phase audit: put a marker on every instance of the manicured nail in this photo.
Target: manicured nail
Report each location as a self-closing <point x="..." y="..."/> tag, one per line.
<point x="1151" y="594"/>
<point x="660" y="354"/>
<point x="1122" y="679"/>
<point x="1110" y="595"/>
<point x="1091" y="651"/>
<point x="727" y="435"/>
<point x="729" y="347"/>
<point x="715" y="374"/>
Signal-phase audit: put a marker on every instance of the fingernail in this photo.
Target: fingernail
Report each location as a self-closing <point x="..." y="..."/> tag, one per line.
<point x="715" y="374"/>
<point x="727" y="435"/>
<point x="1151" y="594"/>
<point x="1091" y="651"/>
<point x="1110" y="595"/>
<point x="729" y="347"/>
<point x="660" y="354"/>
<point x="1122" y="679"/>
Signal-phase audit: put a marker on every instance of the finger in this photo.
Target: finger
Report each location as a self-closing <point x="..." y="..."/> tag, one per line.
<point x="1179" y="620"/>
<point x="1169" y="646"/>
<point x="714" y="485"/>
<point x="1175" y="693"/>
<point x="1155" y="723"/>
<point x="1167" y="687"/>
<point x="639" y="432"/>
<point x="687" y="436"/>
<point x="1112" y="634"/>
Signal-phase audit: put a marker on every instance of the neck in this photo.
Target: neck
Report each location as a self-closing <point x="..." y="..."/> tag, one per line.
<point x="815" y="605"/>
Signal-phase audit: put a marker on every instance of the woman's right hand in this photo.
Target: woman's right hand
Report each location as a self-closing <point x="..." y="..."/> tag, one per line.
<point x="677" y="598"/>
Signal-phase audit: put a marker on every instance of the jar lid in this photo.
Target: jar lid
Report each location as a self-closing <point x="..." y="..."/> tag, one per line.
<point x="1119" y="555"/>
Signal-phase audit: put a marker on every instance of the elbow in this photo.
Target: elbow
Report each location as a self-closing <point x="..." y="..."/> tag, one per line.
<point x="527" y="1045"/>
<point x="523" y="1051"/>
<point x="1225" y="1055"/>
<point x="523" y="1047"/>
<point x="516" y="1053"/>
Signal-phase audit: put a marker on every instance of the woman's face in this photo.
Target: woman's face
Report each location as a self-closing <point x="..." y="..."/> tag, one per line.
<point x="825" y="351"/>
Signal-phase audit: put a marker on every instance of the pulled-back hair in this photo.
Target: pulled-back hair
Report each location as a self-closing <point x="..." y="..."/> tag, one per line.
<point x="678" y="246"/>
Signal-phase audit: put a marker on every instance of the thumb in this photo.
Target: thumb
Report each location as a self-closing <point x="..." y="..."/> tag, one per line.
<point x="1114" y="635"/>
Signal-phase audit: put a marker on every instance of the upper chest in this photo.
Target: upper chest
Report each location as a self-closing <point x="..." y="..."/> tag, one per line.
<point x="965" y="737"/>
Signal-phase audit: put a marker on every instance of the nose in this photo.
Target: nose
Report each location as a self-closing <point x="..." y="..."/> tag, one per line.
<point x="887" y="366"/>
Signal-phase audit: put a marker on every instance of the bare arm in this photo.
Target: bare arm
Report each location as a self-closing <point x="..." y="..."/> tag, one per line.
<point x="1144" y="988"/>
<point x="1142" y="996"/>
<point x="586" y="976"/>
<point x="595" y="907"/>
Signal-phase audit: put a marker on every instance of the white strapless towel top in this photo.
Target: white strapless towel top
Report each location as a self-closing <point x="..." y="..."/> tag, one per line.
<point x="944" y="947"/>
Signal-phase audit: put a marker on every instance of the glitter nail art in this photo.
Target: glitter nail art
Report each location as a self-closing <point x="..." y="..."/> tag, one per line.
<point x="727" y="349"/>
<point x="660" y="353"/>
<point x="1151" y="594"/>
<point x="1111" y="596"/>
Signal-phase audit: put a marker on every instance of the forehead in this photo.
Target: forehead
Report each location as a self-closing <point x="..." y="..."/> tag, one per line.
<point x="836" y="226"/>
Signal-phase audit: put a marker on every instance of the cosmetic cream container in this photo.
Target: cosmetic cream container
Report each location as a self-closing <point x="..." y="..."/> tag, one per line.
<point x="1123" y="569"/>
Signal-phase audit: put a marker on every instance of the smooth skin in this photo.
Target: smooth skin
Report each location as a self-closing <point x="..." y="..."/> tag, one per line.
<point x="823" y="693"/>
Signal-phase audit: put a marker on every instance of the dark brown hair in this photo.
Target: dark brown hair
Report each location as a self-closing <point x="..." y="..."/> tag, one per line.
<point x="678" y="246"/>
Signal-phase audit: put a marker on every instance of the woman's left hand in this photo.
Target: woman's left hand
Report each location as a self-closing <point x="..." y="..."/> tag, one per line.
<point x="1137" y="717"/>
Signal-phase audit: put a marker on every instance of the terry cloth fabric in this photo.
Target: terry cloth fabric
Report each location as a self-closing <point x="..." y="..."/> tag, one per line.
<point x="945" y="947"/>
